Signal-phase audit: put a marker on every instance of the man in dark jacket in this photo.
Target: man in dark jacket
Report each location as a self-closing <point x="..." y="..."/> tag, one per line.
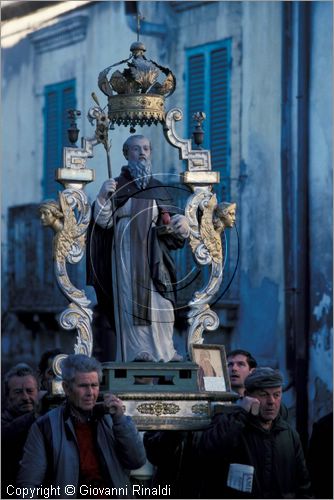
<point x="174" y="454"/>
<point x="22" y="406"/>
<point x="320" y="457"/>
<point x="82" y="449"/>
<point x="251" y="452"/>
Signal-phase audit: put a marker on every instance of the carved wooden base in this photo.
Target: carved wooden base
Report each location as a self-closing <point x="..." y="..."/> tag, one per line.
<point x="173" y="411"/>
<point x="158" y="396"/>
<point x="163" y="396"/>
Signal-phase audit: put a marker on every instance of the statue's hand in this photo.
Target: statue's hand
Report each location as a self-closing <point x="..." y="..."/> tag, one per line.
<point x="180" y="225"/>
<point x="107" y="189"/>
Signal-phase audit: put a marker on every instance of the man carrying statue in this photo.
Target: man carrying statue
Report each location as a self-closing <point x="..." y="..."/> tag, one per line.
<point x="128" y="257"/>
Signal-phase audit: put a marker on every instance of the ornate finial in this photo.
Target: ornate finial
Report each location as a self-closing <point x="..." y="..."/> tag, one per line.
<point x="198" y="133"/>
<point x="94" y="96"/>
<point x="73" y="131"/>
<point x="97" y="114"/>
<point x="139" y="18"/>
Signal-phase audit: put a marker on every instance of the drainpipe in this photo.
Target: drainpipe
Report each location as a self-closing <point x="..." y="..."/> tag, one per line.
<point x="287" y="183"/>
<point x="146" y="28"/>
<point x="302" y="223"/>
<point x="295" y="203"/>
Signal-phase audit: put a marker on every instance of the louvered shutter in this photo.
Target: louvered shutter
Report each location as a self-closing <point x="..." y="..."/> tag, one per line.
<point x="51" y="159"/>
<point x="220" y="118"/>
<point x="196" y="85"/>
<point x="68" y="102"/>
<point x="208" y="90"/>
<point x="58" y="99"/>
<point x="196" y="102"/>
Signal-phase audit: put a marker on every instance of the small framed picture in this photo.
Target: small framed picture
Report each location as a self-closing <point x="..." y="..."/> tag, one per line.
<point x="212" y="374"/>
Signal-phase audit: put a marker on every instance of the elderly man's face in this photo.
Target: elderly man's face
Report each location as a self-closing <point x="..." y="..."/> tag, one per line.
<point x="83" y="391"/>
<point x="139" y="150"/>
<point x="270" y="402"/>
<point x="22" y="394"/>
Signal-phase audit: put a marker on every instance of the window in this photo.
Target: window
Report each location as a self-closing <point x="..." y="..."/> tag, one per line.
<point x="58" y="99"/>
<point x="208" y="90"/>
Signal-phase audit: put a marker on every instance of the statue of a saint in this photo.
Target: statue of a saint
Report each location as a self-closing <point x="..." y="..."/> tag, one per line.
<point x="129" y="260"/>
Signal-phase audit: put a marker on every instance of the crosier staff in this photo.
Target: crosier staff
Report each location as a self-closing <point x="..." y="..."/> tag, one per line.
<point x="101" y="133"/>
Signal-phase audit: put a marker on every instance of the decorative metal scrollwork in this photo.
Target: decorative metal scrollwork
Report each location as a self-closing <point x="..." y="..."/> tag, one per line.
<point x="200" y="409"/>
<point x="158" y="408"/>
<point x="69" y="218"/>
<point x="205" y="235"/>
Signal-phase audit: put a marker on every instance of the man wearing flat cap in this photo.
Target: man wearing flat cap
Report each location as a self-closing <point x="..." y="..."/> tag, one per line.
<point x="250" y="451"/>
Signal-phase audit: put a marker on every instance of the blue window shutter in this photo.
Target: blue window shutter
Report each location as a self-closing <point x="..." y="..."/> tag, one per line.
<point x="58" y="99"/>
<point x="196" y="82"/>
<point x="51" y="159"/>
<point x="68" y="102"/>
<point x="220" y="117"/>
<point x="208" y="90"/>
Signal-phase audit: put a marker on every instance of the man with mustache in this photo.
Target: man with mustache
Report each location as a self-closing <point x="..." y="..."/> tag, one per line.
<point x="21" y="392"/>
<point x="129" y="261"/>
<point x="251" y="451"/>
<point x="22" y="405"/>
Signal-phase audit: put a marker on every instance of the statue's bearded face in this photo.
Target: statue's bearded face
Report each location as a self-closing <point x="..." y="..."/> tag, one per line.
<point x="139" y="161"/>
<point x="139" y="149"/>
<point x="141" y="172"/>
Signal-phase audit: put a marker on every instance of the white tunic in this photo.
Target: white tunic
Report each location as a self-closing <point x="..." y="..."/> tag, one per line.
<point x="156" y="338"/>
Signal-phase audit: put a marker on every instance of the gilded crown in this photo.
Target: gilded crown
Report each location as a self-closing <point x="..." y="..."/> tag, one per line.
<point x="136" y="95"/>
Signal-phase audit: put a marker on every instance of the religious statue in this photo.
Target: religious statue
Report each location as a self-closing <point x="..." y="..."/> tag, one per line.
<point x="129" y="261"/>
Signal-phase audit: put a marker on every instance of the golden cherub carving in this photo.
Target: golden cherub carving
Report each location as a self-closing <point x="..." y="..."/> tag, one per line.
<point x="68" y="233"/>
<point x="51" y="215"/>
<point x="224" y="216"/>
<point x="215" y="218"/>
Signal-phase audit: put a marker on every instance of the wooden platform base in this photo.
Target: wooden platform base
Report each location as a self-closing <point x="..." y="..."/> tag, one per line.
<point x="163" y="396"/>
<point x="158" y="396"/>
